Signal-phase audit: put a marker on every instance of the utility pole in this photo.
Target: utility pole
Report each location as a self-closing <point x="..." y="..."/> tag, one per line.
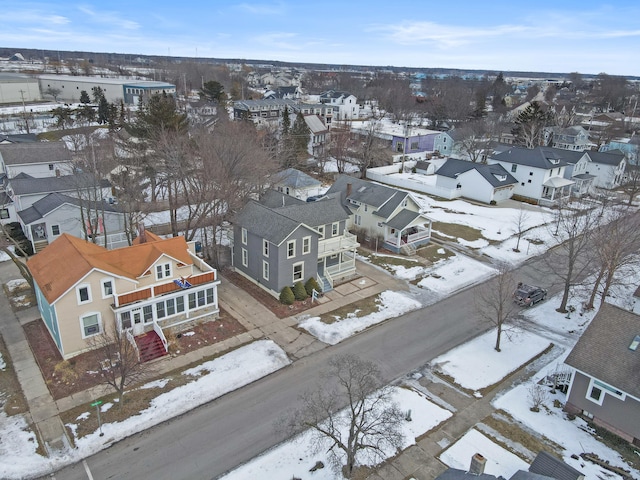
<point x="24" y="111"/>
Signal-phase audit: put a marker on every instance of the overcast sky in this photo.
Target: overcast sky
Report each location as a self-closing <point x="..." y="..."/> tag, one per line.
<point x="586" y="36"/>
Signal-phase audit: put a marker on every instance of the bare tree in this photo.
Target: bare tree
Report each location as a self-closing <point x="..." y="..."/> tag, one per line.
<point x="631" y="184"/>
<point x="340" y="146"/>
<point x="520" y="222"/>
<point x="530" y="124"/>
<point x="115" y="357"/>
<point x="371" y="151"/>
<point x="494" y="301"/>
<point x="537" y="396"/>
<point x="570" y="259"/>
<point x="614" y="244"/>
<point x="473" y="141"/>
<point x="351" y="420"/>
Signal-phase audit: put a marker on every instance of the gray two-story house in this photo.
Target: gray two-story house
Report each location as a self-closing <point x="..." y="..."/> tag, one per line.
<point x="280" y="240"/>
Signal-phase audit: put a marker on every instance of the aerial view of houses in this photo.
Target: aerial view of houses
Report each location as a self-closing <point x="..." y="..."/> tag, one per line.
<point x="325" y="244"/>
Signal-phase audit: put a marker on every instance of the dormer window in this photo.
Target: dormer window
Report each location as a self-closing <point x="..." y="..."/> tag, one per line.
<point x="163" y="271"/>
<point x="501" y="178"/>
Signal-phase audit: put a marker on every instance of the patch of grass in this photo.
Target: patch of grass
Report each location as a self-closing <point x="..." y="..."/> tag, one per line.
<point x="386" y="260"/>
<point x="510" y="428"/>
<point x="355" y="310"/>
<point x="430" y="252"/>
<point x="454" y="230"/>
<point x="12" y="399"/>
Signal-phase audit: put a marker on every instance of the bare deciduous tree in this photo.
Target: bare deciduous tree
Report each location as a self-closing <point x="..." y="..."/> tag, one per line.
<point x="352" y="420"/>
<point x="631" y="184"/>
<point x="116" y="359"/>
<point x="537" y="396"/>
<point x="494" y="301"/>
<point x="520" y="224"/>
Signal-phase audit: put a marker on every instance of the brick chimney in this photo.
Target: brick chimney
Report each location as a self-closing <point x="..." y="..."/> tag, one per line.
<point x="349" y="187"/>
<point x="477" y="464"/>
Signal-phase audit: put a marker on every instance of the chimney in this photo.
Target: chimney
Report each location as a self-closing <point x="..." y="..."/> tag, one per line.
<point x="142" y="234"/>
<point x="477" y="464"/>
<point x="349" y="189"/>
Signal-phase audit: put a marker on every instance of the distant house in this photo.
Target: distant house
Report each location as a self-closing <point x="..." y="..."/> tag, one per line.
<point x="629" y="146"/>
<point x="84" y="289"/>
<point x="387" y="213"/>
<point x="296" y="183"/>
<point x="18" y="138"/>
<point x="539" y="171"/>
<point x="416" y="140"/>
<point x="318" y="134"/>
<point x="475" y="181"/>
<point x="55" y="214"/>
<point x="608" y="168"/>
<point x="574" y="138"/>
<point x="606" y="361"/>
<point x="282" y="240"/>
<point x="270" y="111"/>
<point x="36" y="159"/>
<point x="577" y="170"/>
<point x="345" y="104"/>
<point x="290" y="92"/>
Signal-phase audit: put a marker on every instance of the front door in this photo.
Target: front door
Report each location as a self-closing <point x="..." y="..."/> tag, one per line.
<point x="138" y="326"/>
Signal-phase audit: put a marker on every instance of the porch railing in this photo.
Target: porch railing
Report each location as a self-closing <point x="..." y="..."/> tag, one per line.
<point x="413" y="238"/>
<point x="347" y="241"/>
<point x="132" y="341"/>
<point x="160" y="333"/>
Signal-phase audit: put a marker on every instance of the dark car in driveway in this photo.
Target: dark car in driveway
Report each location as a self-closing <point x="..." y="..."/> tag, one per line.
<point x="528" y="295"/>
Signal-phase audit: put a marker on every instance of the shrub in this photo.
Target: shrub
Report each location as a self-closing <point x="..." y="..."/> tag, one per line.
<point x="299" y="291"/>
<point x="311" y="285"/>
<point x="65" y="371"/>
<point x="493" y="202"/>
<point x="286" y="296"/>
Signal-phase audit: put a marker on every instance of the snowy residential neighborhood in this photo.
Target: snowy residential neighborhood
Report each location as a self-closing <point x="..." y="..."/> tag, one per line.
<point x="243" y="271"/>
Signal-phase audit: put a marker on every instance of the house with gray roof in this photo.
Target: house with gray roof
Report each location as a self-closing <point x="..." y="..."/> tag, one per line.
<point x="278" y="242"/>
<point x="296" y="183"/>
<point x="607" y="167"/>
<point x="475" y="181"/>
<point x="56" y="213"/>
<point x="574" y="138"/>
<point x="539" y="172"/>
<point x="36" y="159"/>
<point x="319" y="133"/>
<point x="577" y="170"/>
<point x="606" y="363"/>
<point x="377" y="211"/>
<point x="345" y="105"/>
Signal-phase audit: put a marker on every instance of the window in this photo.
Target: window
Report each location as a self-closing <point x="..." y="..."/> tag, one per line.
<point x="107" y="288"/>
<point x="265" y="270"/>
<point x="244" y="236"/>
<point x="595" y="394"/>
<point x="163" y="271"/>
<point x="306" y="245"/>
<point x="160" y="311"/>
<point x="90" y="325"/>
<point x="414" y="146"/>
<point x="321" y="232"/>
<point x="51" y="167"/>
<point x="171" y="306"/>
<point x="147" y="313"/>
<point x="210" y="297"/>
<point x="335" y="228"/>
<point x="265" y="248"/>
<point x="291" y="248"/>
<point x="245" y="257"/>
<point x="55" y="229"/>
<point x="4" y="213"/>
<point x="514" y="167"/>
<point x="125" y="319"/>
<point x="357" y="219"/>
<point x="530" y="173"/>
<point x="83" y="293"/>
<point x="180" y="304"/>
<point x="298" y="272"/>
<point x="399" y="147"/>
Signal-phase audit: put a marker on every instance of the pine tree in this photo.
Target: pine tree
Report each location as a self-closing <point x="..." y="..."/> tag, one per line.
<point x="301" y="135"/>
<point x="84" y="97"/>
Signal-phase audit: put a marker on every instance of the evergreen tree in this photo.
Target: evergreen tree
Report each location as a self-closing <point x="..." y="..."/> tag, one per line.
<point x="299" y="291"/>
<point x="212" y="91"/>
<point x="103" y="111"/>
<point x="97" y="94"/>
<point x="84" y="97"/>
<point x="530" y="124"/>
<point x="286" y="122"/>
<point x="499" y="89"/>
<point x="301" y="135"/>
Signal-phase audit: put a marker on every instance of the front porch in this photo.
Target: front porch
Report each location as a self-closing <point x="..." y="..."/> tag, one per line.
<point x="333" y="268"/>
<point x="555" y="190"/>
<point x="583" y="184"/>
<point x="407" y="239"/>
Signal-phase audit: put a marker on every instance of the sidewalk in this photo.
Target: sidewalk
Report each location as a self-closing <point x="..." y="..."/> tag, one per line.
<point x="259" y="321"/>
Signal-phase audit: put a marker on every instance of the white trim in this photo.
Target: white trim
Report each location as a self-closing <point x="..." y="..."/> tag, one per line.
<point x="335" y="226"/>
<point x="306" y="250"/>
<point x="321" y="232"/>
<point x="243" y="235"/>
<point x="102" y="289"/>
<point x="293" y="243"/>
<point x="78" y="288"/>
<point x="293" y="272"/>
<point x="265" y="269"/>
<point x="86" y="315"/>
<point x="245" y="257"/>
<point x="163" y="274"/>
<point x="265" y="248"/>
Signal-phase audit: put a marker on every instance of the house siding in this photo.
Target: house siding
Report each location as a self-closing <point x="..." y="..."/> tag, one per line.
<point x="48" y="314"/>
<point x="620" y="416"/>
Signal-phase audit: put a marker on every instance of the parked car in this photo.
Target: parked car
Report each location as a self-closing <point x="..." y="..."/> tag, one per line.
<point x="528" y="295"/>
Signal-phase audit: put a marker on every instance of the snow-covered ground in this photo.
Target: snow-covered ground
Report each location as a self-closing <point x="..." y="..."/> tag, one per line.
<point x="18" y="457"/>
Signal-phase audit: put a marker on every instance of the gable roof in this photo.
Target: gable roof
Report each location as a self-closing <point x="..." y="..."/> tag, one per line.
<point x="603" y="349"/>
<point x="68" y="259"/>
<point x="27" y="185"/>
<point x="52" y="201"/>
<point x="315" y="124"/>
<point x="294" y="178"/>
<point x="18" y="138"/>
<point x="547" y="464"/>
<point x="266" y="222"/>
<point x="326" y="210"/>
<point x="274" y="199"/>
<point x="34" y="152"/>
<point x="539" y="157"/>
<point x="335" y="94"/>
<point x="610" y="157"/>
<point x="369" y="193"/>
<point x="491" y="173"/>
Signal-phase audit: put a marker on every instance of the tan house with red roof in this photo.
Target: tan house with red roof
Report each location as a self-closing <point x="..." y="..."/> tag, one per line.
<point x="84" y="289"/>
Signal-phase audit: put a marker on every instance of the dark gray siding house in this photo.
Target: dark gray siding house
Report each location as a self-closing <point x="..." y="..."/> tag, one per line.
<point x="606" y="363"/>
<point x="281" y="240"/>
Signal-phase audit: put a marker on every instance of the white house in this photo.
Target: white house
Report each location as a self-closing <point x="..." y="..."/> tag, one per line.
<point x="295" y="183"/>
<point x="539" y="172"/>
<point x="345" y="105"/>
<point x="608" y="168"/>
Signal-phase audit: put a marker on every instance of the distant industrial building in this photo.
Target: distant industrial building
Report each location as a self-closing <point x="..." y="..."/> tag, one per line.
<point x="16" y="88"/>
<point x="114" y="89"/>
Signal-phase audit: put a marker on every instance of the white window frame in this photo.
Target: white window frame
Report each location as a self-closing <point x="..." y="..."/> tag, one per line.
<point x="265" y="270"/>
<point x="605" y="390"/>
<point x="245" y="257"/>
<point x="293" y="272"/>
<point x="79" y="288"/>
<point x="335" y="229"/>
<point x="265" y="248"/>
<point x="321" y="232"/>
<point x="53" y="231"/>
<point x="82" y="326"/>
<point x="306" y="245"/>
<point x="291" y="249"/>
<point x="103" y="282"/>
<point x="357" y="219"/>
<point x="163" y="270"/>
<point x="244" y="235"/>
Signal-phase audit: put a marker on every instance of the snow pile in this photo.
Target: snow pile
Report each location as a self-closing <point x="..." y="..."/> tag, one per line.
<point x="392" y="304"/>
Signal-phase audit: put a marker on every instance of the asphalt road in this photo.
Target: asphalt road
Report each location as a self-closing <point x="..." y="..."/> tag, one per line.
<point x="214" y="438"/>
